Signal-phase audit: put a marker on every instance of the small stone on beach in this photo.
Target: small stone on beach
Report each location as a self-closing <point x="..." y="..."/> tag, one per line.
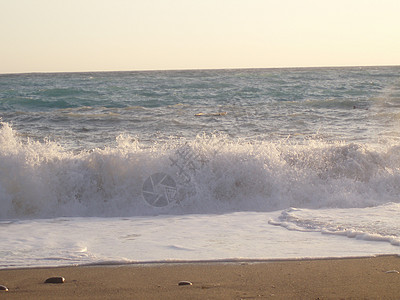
<point x="57" y="279"/>
<point x="185" y="283"/>
<point x="3" y="288"/>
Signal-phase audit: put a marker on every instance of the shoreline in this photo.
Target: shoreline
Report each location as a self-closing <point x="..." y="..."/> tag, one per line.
<point x="372" y="277"/>
<point x="203" y="261"/>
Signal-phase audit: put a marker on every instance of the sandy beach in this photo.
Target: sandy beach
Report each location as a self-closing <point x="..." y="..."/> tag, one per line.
<point x="348" y="278"/>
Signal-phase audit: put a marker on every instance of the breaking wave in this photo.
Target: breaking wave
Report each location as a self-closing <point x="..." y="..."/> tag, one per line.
<point x="210" y="174"/>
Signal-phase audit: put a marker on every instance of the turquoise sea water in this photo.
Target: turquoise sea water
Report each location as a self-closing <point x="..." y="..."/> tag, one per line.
<point x="87" y="110"/>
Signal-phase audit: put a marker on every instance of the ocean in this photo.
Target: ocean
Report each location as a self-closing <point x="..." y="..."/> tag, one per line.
<point x="199" y="165"/>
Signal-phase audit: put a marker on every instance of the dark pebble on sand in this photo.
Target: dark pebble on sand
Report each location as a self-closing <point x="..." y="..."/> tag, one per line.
<point x="57" y="279"/>
<point x="184" y="283"/>
<point x="3" y="288"/>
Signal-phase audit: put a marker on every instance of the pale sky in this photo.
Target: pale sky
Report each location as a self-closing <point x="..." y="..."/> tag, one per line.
<point x="119" y="35"/>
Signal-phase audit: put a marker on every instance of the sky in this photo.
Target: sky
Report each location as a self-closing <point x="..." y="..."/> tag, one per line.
<point x="122" y="35"/>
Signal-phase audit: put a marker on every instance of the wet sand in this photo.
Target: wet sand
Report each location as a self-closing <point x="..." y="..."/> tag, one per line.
<point x="349" y="278"/>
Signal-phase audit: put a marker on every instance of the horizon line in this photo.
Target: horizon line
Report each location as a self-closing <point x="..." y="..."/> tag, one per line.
<point x="202" y="69"/>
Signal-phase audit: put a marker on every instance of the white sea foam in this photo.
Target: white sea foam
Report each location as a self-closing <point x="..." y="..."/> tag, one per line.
<point x="234" y="236"/>
<point x="380" y="223"/>
<point x="212" y="174"/>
